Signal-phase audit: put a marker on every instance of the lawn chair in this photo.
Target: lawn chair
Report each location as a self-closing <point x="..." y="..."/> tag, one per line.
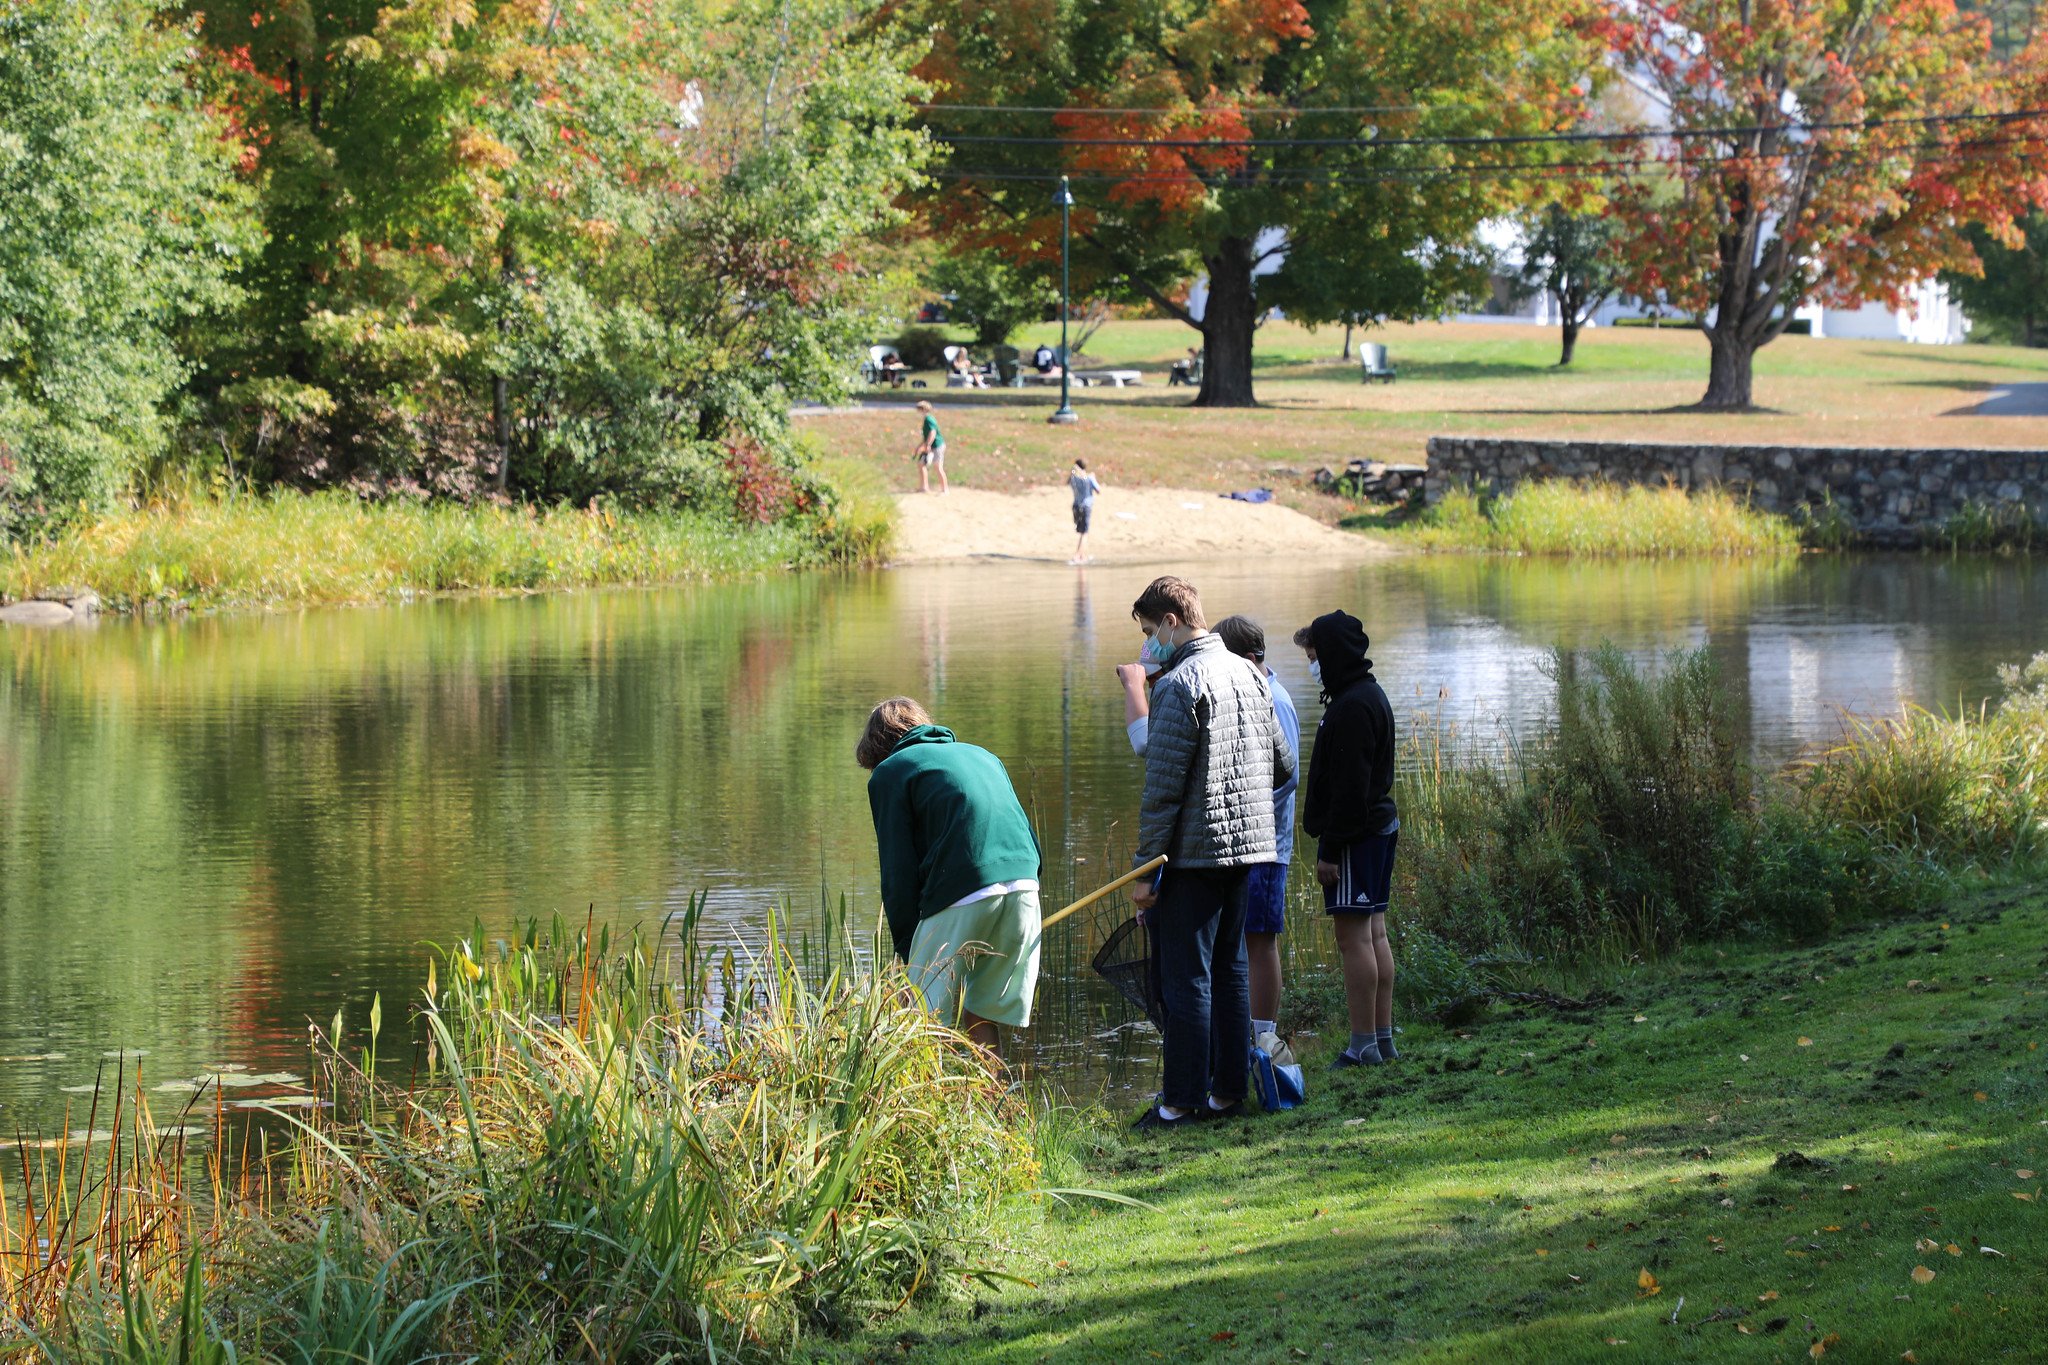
<point x="955" y="379"/>
<point x="872" y="370"/>
<point x="1373" y="363"/>
<point x="1007" y="365"/>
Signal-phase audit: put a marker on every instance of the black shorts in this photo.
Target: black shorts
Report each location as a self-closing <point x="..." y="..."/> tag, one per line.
<point x="1082" y="511"/>
<point x="1365" y="877"/>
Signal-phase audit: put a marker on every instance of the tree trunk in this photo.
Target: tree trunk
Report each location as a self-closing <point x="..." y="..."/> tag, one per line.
<point x="1228" y="322"/>
<point x="1731" y="363"/>
<point x="501" y="397"/>
<point x="1347" y="340"/>
<point x="1571" y="339"/>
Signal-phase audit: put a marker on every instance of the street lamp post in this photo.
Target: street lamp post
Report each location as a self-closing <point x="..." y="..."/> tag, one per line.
<point x="1065" y="199"/>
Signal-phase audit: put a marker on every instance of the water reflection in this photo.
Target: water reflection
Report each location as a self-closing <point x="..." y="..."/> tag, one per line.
<point x="213" y="830"/>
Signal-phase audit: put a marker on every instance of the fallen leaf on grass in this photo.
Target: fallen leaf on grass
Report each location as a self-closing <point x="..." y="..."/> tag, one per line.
<point x="1642" y="1018"/>
<point x="1953" y="1250"/>
<point x="1768" y="1296"/>
<point x="1225" y="1335"/>
<point x="1648" y="1284"/>
<point x="1980" y="1097"/>
<point x="1805" y="1042"/>
<point x="1745" y="1329"/>
<point x="2023" y="1195"/>
<point x="1909" y="1356"/>
<point x="1832" y="1227"/>
<point x="1850" y="1189"/>
<point x="1542" y="1251"/>
<point x="1926" y="1244"/>
<point x="2024" y="1175"/>
<point x="1617" y="1341"/>
<point x="1820" y="1348"/>
<point x="1922" y="1275"/>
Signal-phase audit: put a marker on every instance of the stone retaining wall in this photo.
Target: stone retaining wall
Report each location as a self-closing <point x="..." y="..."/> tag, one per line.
<point x="1889" y="496"/>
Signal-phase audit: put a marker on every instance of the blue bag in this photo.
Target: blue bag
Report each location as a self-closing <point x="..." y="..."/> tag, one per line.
<point x="1279" y="1084"/>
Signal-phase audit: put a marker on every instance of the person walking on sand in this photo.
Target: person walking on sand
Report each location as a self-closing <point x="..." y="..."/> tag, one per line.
<point x="1265" y="916"/>
<point x="1213" y="757"/>
<point x="931" y="450"/>
<point x="960" y="866"/>
<point x="1348" y="807"/>
<point x="1085" y="486"/>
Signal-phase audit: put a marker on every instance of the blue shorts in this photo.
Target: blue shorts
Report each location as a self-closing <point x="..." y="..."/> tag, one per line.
<point x="1266" y="888"/>
<point x="1365" y="877"/>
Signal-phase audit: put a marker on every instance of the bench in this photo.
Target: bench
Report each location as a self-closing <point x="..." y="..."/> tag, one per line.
<point x="1116" y="379"/>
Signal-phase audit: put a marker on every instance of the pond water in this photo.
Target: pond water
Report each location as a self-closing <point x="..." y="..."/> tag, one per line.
<point x="215" y="830"/>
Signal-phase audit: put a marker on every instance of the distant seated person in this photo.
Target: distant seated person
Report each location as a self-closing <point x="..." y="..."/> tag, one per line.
<point x="893" y="369"/>
<point x="971" y="377"/>
<point x="1183" y="371"/>
<point x="1045" y="360"/>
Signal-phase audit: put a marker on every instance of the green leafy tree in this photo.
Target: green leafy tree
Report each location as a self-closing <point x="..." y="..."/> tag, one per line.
<point x="2009" y="301"/>
<point x="558" y="250"/>
<point x="120" y="220"/>
<point x="1569" y="255"/>
<point x="994" y="294"/>
<point x="1225" y="138"/>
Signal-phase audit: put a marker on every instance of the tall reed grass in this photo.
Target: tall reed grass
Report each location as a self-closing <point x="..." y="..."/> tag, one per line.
<point x="293" y="549"/>
<point x="1558" y="517"/>
<point x="1633" y="826"/>
<point x="615" y="1154"/>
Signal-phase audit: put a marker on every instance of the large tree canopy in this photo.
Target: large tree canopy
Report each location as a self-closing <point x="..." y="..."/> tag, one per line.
<point x="565" y="250"/>
<point x="120" y="220"/>
<point x="1812" y="151"/>
<point x="1191" y="130"/>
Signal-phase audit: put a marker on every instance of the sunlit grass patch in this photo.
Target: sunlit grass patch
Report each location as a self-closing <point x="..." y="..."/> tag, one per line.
<point x="1600" y="519"/>
<point x="291" y="549"/>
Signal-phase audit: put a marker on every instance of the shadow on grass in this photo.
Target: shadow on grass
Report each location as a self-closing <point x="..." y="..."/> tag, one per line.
<point x="1680" y="410"/>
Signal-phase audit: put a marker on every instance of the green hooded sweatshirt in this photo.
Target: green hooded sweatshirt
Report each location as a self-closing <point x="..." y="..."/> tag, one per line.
<point x="947" y="822"/>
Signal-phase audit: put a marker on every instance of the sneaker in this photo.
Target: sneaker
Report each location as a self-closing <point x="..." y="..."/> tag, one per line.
<point x="1345" y="1059"/>
<point x="1210" y="1113"/>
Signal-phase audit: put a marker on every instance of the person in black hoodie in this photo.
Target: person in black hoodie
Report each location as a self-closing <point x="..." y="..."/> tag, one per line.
<point x="1348" y="808"/>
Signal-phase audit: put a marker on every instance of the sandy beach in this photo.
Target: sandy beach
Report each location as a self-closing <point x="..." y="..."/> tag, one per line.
<point x="1132" y="525"/>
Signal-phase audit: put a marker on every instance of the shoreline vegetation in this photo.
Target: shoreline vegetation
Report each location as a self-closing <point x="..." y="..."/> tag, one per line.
<point x="708" y="1157"/>
<point x="286" y="549"/>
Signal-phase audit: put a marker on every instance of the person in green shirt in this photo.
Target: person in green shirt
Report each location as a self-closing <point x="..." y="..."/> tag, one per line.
<point x="931" y="450"/>
<point x="960" y="866"/>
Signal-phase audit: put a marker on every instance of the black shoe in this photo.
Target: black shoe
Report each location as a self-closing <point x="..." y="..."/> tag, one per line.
<point x="1387" y="1053"/>
<point x="1152" y="1118"/>
<point x="1344" y="1059"/>
<point x="1233" y="1110"/>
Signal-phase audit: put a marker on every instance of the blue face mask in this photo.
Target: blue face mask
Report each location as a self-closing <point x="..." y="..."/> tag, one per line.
<point x="1156" y="650"/>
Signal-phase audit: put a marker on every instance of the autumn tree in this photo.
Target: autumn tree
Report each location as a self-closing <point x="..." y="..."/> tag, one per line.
<point x="120" y="222"/>
<point x="1809" y="151"/>
<point x="1298" y="154"/>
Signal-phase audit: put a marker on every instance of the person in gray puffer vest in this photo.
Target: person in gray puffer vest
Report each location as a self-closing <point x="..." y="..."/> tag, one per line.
<point x="1213" y="759"/>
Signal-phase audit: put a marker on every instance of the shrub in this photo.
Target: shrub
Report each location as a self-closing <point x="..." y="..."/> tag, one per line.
<point x="922" y="348"/>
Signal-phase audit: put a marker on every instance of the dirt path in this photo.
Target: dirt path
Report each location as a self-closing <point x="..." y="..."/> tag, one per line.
<point x="1132" y="525"/>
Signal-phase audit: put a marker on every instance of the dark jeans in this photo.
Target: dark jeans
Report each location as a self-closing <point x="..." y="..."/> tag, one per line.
<point x="1198" y="943"/>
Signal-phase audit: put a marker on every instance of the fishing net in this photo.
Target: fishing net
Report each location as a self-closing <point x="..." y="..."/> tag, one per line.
<point x="1125" y="961"/>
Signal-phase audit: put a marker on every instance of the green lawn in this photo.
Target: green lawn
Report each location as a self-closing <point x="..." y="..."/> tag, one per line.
<point x="1456" y="378"/>
<point x="1613" y="1184"/>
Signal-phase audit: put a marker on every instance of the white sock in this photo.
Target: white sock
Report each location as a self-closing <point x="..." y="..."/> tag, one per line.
<point x="1261" y="1027"/>
<point x="1217" y="1105"/>
<point x="1169" y="1113"/>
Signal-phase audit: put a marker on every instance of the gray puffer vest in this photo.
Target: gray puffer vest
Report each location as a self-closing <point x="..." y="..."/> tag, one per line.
<point x="1214" y="756"/>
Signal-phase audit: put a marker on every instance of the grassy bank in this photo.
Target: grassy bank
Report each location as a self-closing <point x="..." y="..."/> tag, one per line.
<point x="1599" y="520"/>
<point x="1783" y="1141"/>
<point x="613" y="1156"/>
<point x="292" y="550"/>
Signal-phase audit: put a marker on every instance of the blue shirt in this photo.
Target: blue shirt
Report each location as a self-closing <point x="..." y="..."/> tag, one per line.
<point x="1283" y="795"/>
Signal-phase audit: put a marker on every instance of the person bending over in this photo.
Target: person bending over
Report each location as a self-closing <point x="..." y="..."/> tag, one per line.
<point x="1213" y="758"/>
<point x="1265" y="917"/>
<point x="1348" y="807"/>
<point x="960" y="867"/>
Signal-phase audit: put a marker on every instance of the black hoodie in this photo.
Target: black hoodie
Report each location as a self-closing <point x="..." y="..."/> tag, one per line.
<point x="1348" y="793"/>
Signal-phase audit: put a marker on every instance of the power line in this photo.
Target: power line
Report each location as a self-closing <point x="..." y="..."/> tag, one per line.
<point x="1489" y="140"/>
<point x="1300" y="111"/>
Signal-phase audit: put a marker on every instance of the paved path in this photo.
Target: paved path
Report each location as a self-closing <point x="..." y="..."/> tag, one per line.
<point x="2014" y="400"/>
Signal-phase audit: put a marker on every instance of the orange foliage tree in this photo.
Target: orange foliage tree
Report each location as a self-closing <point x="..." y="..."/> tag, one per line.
<point x="1297" y="153"/>
<point x="1811" y="151"/>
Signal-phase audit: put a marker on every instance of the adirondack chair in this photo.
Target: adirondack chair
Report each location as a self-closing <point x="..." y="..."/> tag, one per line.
<point x="1373" y="363"/>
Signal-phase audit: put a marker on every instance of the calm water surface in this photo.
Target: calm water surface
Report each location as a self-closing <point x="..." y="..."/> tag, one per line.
<point x="214" y="830"/>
